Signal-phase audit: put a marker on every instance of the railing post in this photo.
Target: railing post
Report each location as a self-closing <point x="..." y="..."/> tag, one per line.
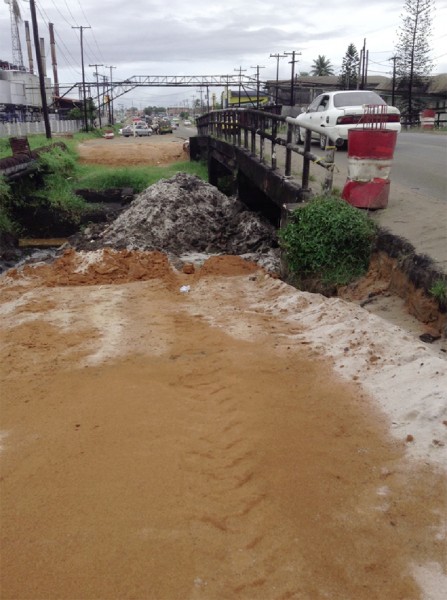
<point x="262" y="140"/>
<point x="253" y="134"/>
<point x="289" y="139"/>
<point x="274" y="134"/>
<point x="239" y="132"/>
<point x="306" y="161"/>
<point x="329" y="177"/>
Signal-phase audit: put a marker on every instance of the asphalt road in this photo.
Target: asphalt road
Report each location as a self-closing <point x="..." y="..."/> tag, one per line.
<point x="419" y="163"/>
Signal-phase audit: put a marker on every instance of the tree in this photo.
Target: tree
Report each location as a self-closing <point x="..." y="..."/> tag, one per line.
<point x="322" y="66"/>
<point x="349" y="69"/>
<point x="413" y="59"/>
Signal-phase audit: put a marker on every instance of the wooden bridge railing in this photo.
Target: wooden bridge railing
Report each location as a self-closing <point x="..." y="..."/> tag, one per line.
<point x="254" y="129"/>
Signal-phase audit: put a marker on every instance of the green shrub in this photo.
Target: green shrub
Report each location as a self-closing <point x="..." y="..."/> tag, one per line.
<point x="328" y="239"/>
<point x="439" y="291"/>
<point x="57" y="160"/>
<point x="6" y="223"/>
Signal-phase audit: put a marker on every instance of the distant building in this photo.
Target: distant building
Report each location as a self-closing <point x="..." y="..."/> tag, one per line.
<point x="247" y="98"/>
<point x="431" y="93"/>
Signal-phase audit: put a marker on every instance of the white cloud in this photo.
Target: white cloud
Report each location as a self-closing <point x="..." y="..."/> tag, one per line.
<point x="204" y="38"/>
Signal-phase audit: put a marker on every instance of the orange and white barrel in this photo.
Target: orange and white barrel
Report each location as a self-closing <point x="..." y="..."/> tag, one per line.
<point x="428" y="118"/>
<point x="370" y="156"/>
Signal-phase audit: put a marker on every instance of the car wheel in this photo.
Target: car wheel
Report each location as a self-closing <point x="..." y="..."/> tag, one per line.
<point x="323" y="142"/>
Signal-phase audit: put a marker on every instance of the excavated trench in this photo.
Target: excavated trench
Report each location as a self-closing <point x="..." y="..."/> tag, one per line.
<point x="189" y="220"/>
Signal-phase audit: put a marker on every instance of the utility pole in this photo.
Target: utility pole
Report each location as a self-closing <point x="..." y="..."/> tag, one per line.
<point x="40" y="70"/>
<point x="292" y="81"/>
<point x="97" y="89"/>
<point x="240" y="71"/>
<point x="257" y="83"/>
<point x="363" y="67"/>
<point x="81" y="29"/>
<point x="277" y="56"/>
<point x="393" y="85"/>
<point x="200" y="90"/>
<point x="111" y="67"/>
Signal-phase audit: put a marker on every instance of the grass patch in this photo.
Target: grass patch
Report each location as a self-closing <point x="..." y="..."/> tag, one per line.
<point x="329" y="240"/>
<point x="139" y="178"/>
<point x="439" y="292"/>
<point x="49" y="194"/>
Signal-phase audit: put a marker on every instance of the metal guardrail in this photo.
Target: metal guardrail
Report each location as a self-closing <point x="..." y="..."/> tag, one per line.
<point x="252" y="129"/>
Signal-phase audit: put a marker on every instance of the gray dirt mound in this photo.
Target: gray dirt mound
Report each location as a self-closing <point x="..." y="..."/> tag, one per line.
<point x="184" y="214"/>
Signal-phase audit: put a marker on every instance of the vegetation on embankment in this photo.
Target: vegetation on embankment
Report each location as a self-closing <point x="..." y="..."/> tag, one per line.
<point x="327" y="243"/>
<point x="49" y="193"/>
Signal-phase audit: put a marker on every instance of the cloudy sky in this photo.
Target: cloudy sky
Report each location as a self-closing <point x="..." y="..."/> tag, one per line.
<point x="200" y="37"/>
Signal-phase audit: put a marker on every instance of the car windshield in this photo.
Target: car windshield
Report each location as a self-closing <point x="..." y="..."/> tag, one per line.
<point x="357" y="99"/>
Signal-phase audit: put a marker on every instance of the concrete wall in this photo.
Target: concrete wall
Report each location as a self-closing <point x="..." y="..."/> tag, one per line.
<point x="28" y="128"/>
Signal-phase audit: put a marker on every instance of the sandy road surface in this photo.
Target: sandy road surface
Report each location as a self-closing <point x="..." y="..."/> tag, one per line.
<point x="228" y="442"/>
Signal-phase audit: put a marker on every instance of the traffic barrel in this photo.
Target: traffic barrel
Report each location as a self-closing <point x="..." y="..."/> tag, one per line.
<point x="427" y="117"/>
<point x="370" y="155"/>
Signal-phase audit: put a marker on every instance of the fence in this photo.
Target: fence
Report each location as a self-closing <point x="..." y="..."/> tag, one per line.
<point x="29" y="128"/>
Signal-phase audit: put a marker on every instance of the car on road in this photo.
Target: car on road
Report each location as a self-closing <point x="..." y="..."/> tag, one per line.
<point x="140" y="130"/>
<point x="127" y="131"/>
<point x="333" y="114"/>
<point x="187" y="123"/>
<point x="164" y="126"/>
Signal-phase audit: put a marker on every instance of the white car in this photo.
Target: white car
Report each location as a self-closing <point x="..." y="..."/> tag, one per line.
<point x="333" y="114"/>
<point x="187" y="123"/>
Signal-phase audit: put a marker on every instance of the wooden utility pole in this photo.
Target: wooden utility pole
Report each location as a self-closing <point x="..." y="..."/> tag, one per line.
<point x="292" y="81"/>
<point x="257" y="83"/>
<point x="277" y="56"/>
<point x="97" y="89"/>
<point x="111" y="67"/>
<point x="240" y="71"/>
<point x="81" y="29"/>
<point x="393" y="85"/>
<point x="39" y="69"/>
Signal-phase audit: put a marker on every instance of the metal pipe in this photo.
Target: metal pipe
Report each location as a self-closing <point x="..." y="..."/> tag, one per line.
<point x="315" y="128"/>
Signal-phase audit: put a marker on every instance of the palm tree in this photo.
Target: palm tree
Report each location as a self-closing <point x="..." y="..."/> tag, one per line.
<point x="322" y="66"/>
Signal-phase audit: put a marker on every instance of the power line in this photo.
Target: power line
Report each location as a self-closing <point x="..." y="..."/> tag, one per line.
<point x="46" y="20"/>
<point x="71" y="15"/>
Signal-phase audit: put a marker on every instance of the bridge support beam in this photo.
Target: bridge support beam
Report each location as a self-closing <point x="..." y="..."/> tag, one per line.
<point x="260" y="187"/>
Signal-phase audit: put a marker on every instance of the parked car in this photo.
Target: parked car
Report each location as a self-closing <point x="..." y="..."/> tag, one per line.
<point x="140" y="130"/>
<point x="187" y="123"/>
<point x="335" y="113"/>
<point x="127" y="131"/>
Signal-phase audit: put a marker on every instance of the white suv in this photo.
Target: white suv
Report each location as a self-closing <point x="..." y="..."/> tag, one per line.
<point x="332" y="114"/>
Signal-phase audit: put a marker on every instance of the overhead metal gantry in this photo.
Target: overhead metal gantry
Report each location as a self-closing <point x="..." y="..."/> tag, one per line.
<point x="119" y="88"/>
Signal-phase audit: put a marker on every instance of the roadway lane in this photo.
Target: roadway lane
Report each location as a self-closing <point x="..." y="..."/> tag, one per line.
<point x="420" y="163"/>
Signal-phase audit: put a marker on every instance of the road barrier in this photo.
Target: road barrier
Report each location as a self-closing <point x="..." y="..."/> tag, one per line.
<point x="370" y="155"/>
